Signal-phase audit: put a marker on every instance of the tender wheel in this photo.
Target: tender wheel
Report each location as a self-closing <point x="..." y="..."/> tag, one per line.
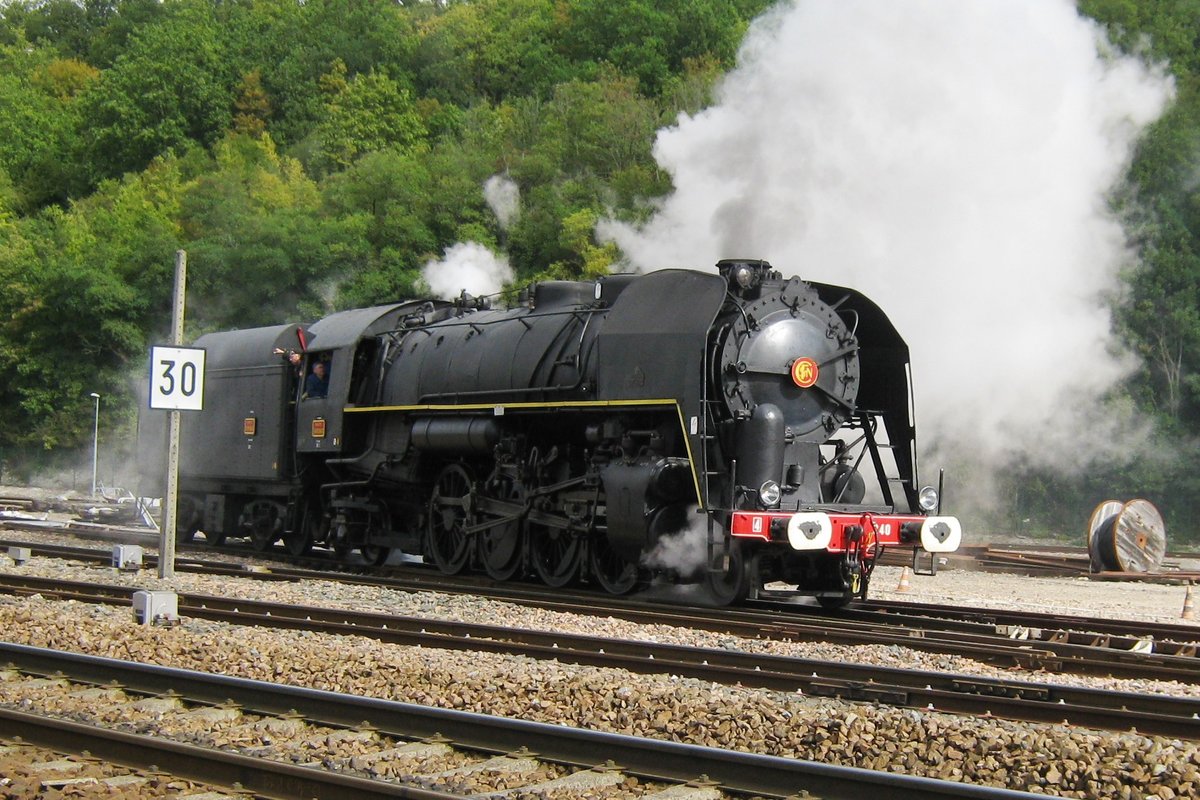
<point x="556" y="554"/>
<point x="449" y="512"/>
<point x="610" y="569"/>
<point x="300" y="540"/>
<point x="500" y="546"/>
<point x="187" y="519"/>
<point x="262" y="521"/>
<point x="733" y="585"/>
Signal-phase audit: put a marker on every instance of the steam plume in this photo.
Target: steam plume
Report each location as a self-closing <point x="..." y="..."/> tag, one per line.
<point x="469" y="266"/>
<point x="951" y="160"/>
<point x="503" y="196"/>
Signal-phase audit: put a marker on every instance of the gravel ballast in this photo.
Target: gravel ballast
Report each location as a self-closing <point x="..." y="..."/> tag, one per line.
<point x="1053" y="759"/>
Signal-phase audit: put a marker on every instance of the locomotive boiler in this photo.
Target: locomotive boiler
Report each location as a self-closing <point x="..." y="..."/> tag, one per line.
<point x="734" y="429"/>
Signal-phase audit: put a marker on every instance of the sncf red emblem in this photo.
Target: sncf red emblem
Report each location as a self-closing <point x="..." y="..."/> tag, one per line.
<point x="805" y="372"/>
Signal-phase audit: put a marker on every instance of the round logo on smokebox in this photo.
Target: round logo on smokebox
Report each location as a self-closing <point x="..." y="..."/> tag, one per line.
<point x="805" y="372"/>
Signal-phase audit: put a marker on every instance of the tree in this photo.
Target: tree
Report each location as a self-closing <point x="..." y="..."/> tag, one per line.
<point x="652" y="40"/>
<point x="37" y="128"/>
<point x="368" y="112"/>
<point x="494" y="49"/>
<point x="82" y="288"/>
<point x="172" y="86"/>
<point x="252" y="104"/>
<point x="258" y="251"/>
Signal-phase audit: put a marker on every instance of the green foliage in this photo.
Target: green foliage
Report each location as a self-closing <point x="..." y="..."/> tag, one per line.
<point x="170" y="87"/>
<point x="651" y="40"/>
<point x="1164" y="30"/>
<point x="493" y="49"/>
<point x="256" y="251"/>
<point x="82" y="289"/>
<point x="38" y="126"/>
<point x="367" y="113"/>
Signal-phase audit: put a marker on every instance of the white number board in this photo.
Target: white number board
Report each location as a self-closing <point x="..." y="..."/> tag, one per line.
<point x="177" y="378"/>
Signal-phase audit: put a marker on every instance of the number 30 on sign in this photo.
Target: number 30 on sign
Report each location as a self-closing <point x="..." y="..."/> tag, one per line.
<point x="177" y="378"/>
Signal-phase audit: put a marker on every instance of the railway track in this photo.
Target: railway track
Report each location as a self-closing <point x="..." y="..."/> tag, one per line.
<point x="1017" y="700"/>
<point x="1064" y="561"/>
<point x="1053" y="643"/>
<point x="457" y="748"/>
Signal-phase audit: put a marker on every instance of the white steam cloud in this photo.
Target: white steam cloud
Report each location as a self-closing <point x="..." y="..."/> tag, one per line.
<point x="503" y="196"/>
<point x="467" y="266"/>
<point x="949" y="159"/>
<point x="684" y="550"/>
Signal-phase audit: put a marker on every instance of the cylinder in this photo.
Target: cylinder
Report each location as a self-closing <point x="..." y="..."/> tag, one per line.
<point x="455" y="435"/>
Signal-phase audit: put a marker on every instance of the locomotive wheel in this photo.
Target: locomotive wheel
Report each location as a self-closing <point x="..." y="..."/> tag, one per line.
<point x="556" y="554"/>
<point x="449" y="510"/>
<point x="500" y="545"/>
<point x="732" y="585"/>
<point x="262" y="521"/>
<point x="300" y="540"/>
<point x="379" y="521"/>
<point x="187" y="519"/>
<point x="611" y="570"/>
<point x="375" y="555"/>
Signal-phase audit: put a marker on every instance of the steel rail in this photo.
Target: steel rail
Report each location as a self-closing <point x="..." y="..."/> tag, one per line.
<point x="940" y="691"/>
<point x="929" y="628"/>
<point x="654" y="759"/>
<point x="259" y="776"/>
<point x="1186" y="638"/>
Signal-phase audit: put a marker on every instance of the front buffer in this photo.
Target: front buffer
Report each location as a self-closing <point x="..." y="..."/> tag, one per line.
<point x="799" y="547"/>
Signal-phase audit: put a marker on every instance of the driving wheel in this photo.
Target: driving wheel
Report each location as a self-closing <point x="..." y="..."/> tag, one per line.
<point x="449" y="513"/>
<point x="611" y="570"/>
<point x="556" y="553"/>
<point x="500" y="545"/>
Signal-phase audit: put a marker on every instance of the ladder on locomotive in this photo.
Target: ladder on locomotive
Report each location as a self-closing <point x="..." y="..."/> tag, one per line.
<point x="862" y="421"/>
<point x="706" y="432"/>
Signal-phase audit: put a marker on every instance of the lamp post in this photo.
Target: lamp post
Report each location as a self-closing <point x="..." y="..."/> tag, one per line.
<point x="95" y="441"/>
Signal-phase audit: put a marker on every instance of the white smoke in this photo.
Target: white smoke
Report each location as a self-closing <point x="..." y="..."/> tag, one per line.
<point x="467" y="266"/>
<point x="685" y="550"/>
<point x="503" y="196"/>
<point x="950" y="160"/>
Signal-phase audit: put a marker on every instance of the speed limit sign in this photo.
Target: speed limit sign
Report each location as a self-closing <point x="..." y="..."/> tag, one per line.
<point x="177" y="378"/>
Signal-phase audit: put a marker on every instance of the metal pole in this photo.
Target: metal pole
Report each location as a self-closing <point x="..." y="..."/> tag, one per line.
<point x="166" y="538"/>
<point x="95" y="441"/>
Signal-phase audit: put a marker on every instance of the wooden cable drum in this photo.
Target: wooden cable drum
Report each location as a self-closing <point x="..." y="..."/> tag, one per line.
<point x="1127" y="537"/>
<point x="1104" y="515"/>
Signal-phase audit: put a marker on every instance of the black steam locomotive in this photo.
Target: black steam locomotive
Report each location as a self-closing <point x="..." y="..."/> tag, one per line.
<point x="684" y="426"/>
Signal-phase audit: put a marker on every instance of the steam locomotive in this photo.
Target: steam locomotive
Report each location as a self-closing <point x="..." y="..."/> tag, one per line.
<point x="710" y="428"/>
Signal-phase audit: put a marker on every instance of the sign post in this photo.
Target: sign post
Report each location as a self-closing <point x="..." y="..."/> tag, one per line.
<point x="176" y="383"/>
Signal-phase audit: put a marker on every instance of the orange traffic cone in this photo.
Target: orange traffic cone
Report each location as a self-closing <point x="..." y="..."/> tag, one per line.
<point x="903" y="585"/>
<point x="1189" y="609"/>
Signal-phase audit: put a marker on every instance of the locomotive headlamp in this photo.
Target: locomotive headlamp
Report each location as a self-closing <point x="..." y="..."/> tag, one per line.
<point x="744" y="276"/>
<point x="769" y="494"/>
<point x="928" y="499"/>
